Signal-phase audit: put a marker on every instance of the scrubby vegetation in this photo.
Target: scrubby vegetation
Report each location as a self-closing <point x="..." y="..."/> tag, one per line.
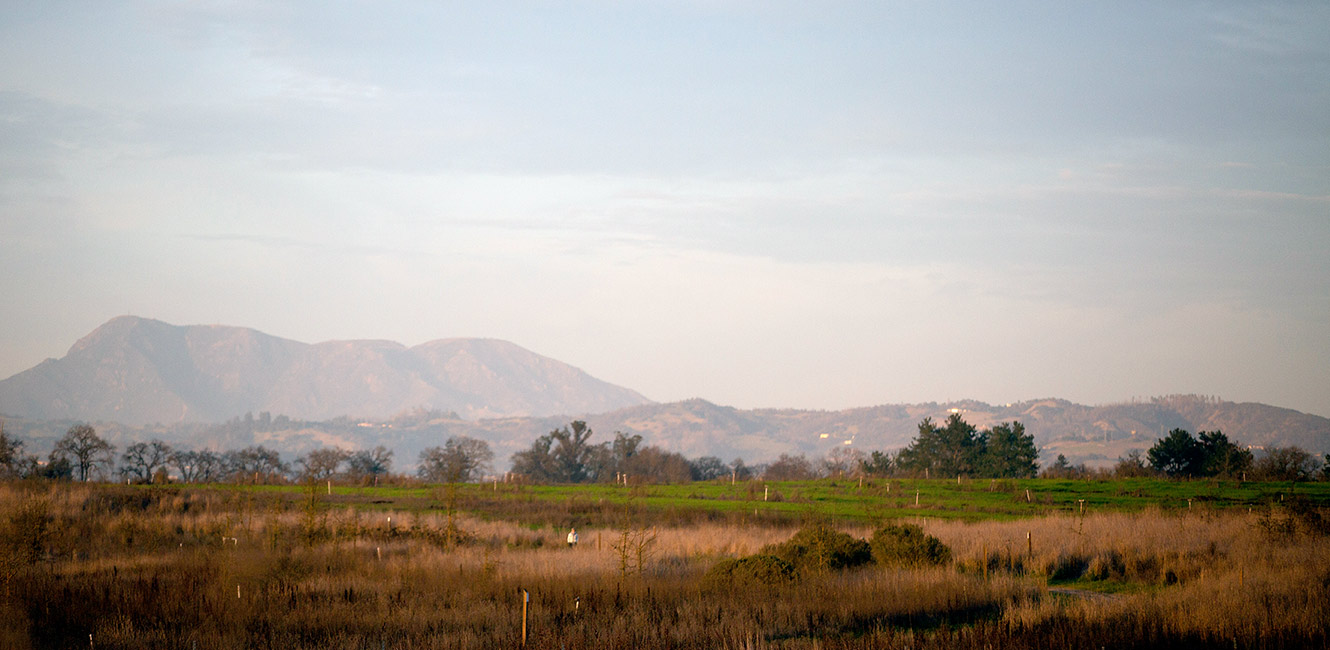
<point x="820" y="547"/>
<point x="141" y="567"/>
<point x="761" y="569"/>
<point x="909" y="546"/>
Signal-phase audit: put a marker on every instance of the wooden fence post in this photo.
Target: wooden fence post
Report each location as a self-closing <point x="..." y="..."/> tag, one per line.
<point x="526" y="598"/>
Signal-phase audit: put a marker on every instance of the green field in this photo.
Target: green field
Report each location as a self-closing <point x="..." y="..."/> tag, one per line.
<point x="838" y="499"/>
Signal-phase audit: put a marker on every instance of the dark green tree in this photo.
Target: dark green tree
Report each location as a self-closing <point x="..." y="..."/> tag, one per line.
<point x="561" y="456"/>
<point x="1223" y="458"/>
<point x="57" y="468"/>
<point x="878" y="463"/>
<point x="951" y="450"/>
<point x="1178" y="455"/>
<point x="1010" y="453"/>
<point x="708" y="468"/>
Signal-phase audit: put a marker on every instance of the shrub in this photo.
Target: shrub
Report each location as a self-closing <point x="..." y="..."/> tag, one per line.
<point x="1106" y="565"/>
<point x="821" y="547"/>
<point x="766" y="570"/>
<point x="1065" y="566"/>
<point x="907" y="545"/>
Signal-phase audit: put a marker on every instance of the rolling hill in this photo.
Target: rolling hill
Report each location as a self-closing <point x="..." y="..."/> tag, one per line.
<point x="139" y="371"/>
<point x="203" y="386"/>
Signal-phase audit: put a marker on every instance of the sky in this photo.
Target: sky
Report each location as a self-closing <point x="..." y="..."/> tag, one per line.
<point x="764" y="204"/>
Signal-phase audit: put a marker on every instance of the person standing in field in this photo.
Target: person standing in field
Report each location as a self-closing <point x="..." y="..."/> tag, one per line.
<point x="572" y="537"/>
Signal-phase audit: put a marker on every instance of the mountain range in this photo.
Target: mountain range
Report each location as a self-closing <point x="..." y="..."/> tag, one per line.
<point x="139" y="371"/>
<point x="201" y="386"/>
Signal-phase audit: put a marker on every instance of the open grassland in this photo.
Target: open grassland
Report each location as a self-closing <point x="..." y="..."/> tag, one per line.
<point x="119" y="567"/>
<point x="849" y="500"/>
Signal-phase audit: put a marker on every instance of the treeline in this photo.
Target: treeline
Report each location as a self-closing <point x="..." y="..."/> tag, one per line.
<point x="83" y="455"/>
<point x="1212" y="454"/>
<point x="568" y="455"/>
<point x="958" y="448"/>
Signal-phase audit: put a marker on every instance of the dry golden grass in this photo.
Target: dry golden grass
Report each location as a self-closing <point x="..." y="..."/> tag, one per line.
<point x="198" y="568"/>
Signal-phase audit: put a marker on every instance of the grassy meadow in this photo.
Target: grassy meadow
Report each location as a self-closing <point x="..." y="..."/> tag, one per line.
<point x="104" y="566"/>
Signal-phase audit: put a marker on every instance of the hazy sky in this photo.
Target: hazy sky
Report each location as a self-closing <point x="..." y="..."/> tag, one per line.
<point x="797" y="204"/>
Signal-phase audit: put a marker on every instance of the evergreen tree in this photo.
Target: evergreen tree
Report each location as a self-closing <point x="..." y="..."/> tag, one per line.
<point x="1223" y="458"/>
<point x="1010" y="453"/>
<point x="1178" y="455"/>
<point x="952" y="450"/>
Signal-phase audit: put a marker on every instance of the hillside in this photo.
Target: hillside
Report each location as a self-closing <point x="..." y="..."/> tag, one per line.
<point x="1096" y="435"/>
<point x="138" y="371"/>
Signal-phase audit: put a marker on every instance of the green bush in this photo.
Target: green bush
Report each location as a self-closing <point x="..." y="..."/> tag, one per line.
<point x="820" y="547"/>
<point x="766" y="570"/>
<point x="908" y="545"/>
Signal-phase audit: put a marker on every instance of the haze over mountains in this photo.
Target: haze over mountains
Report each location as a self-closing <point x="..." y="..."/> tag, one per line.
<point x="139" y="371"/>
<point x="201" y="386"/>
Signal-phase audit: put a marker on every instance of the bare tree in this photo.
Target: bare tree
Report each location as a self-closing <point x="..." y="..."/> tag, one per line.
<point x="11" y="454"/>
<point x="142" y="460"/>
<point x="843" y="461"/>
<point x="85" y="449"/>
<point x="790" y="468"/>
<point x="197" y="466"/>
<point x="371" y="462"/>
<point x="459" y="460"/>
<point x="655" y="465"/>
<point x="1285" y="464"/>
<point x="257" y="463"/>
<point x="321" y="464"/>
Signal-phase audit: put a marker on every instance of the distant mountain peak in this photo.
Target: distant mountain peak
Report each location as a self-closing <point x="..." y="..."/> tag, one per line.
<point x="139" y="370"/>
